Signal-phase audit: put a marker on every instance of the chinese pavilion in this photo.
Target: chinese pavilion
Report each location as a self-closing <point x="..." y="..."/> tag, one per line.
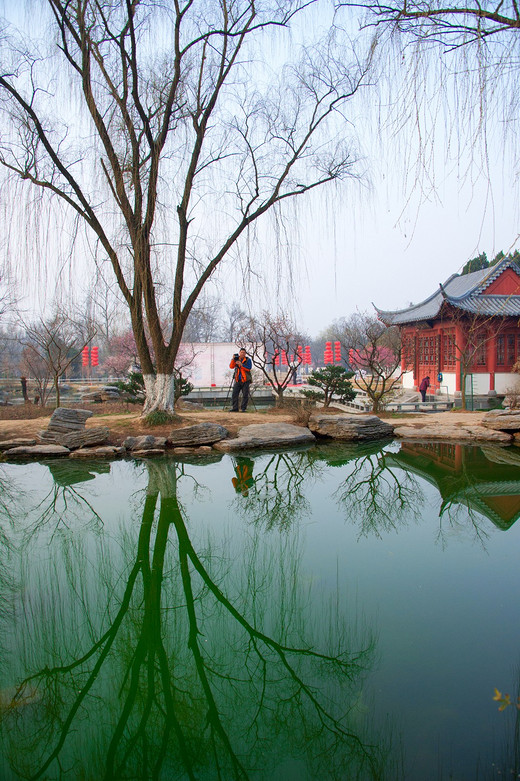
<point x="470" y="325"/>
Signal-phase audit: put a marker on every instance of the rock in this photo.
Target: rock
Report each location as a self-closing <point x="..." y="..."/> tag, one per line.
<point x="188" y="405"/>
<point x="37" y="451"/>
<point x="456" y="433"/>
<point x="148" y="452"/>
<point x="92" y="398"/>
<point x="108" y="451"/>
<point x="201" y="433"/>
<point x="350" y="427"/>
<point x="203" y="450"/>
<point x="502" y="420"/>
<point x="91" y="436"/>
<point x="147" y="442"/>
<point x="64" y="421"/>
<point x="266" y="435"/>
<point x="7" y="444"/>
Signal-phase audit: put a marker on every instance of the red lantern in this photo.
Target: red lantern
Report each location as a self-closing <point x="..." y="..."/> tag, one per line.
<point x="276" y="359"/>
<point x="307" y="355"/>
<point x="337" y="352"/>
<point x="284" y="358"/>
<point x="84" y="356"/>
<point x="327" y="354"/>
<point x="94" y="356"/>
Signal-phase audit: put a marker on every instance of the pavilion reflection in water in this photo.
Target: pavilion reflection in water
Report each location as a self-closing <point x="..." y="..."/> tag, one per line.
<point x="485" y="479"/>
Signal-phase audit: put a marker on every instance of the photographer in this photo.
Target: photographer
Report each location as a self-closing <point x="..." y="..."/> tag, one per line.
<point x="242" y="380"/>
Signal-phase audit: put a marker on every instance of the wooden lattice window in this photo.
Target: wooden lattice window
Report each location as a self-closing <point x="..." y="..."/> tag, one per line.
<point x="448" y="348"/>
<point x="501" y="350"/>
<point x="510" y="341"/>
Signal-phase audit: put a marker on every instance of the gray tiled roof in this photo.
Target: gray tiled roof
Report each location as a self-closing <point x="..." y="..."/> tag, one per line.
<point x="463" y="292"/>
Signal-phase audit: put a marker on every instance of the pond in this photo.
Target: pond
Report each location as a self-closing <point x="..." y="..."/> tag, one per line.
<point x="340" y="612"/>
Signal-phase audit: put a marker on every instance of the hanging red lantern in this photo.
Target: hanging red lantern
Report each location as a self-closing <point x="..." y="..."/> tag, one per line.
<point x="94" y="356"/>
<point x="84" y="356"/>
<point x="337" y="352"/>
<point x="284" y="358"/>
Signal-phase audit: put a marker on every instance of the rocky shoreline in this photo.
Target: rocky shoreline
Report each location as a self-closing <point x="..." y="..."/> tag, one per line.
<point x="67" y="434"/>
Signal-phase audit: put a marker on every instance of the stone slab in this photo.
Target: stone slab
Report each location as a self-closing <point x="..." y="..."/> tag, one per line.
<point x="199" y="434"/>
<point x="350" y="427"/>
<point x="203" y="450"/>
<point x="455" y="433"/>
<point x="266" y="435"/>
<point x="148" y="452"/>
<point x="502" y="420"/>
<point x="147" y="442"/>
<point x="7" y="444"/>
<point x="37" y="451"/>
<point x="106" y="451"/>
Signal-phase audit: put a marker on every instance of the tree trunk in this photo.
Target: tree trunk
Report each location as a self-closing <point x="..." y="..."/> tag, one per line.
<point x="57" y="388"/>
<point x="279" y="396"/>
<point x="160" y="393"/>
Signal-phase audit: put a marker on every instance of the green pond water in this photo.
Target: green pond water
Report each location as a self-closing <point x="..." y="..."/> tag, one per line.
<point x="338" y="612"/>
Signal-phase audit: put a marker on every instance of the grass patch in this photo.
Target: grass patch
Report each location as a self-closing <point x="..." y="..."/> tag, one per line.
<point x="160" y="418"/>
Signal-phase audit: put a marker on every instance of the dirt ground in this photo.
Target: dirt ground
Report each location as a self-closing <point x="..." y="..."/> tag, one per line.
<point x="26" y="421"/>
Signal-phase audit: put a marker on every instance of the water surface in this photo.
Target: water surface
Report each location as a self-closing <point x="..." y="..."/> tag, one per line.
<point x="341" y="612"/>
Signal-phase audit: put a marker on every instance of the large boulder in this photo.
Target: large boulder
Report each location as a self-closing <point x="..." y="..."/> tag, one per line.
<point x="64" y="421"/>
<point x="86" y="438"/>
<point x="350" y="427"/>
<point x="266" y="435"/>
<point x="199" y="434"/>
<point x="502" y="420"/>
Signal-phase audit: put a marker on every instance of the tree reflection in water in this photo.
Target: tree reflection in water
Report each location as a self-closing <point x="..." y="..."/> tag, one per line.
<point x="178" y="666"/>
<point x="375" y="496"/>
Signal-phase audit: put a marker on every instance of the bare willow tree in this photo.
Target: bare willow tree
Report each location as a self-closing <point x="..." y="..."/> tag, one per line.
<point x="177" y="140"/>
<point x="452" y="24"/>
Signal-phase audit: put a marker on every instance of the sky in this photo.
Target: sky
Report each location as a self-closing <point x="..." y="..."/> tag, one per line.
<point x="388" y="250"/>
<point x="392" y="235"/>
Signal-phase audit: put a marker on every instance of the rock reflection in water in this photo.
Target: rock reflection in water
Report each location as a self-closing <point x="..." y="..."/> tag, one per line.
<point x="161" y="660"/>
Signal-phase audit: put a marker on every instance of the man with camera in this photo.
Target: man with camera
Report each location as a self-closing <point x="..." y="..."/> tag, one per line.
<point x="241" y="380"/>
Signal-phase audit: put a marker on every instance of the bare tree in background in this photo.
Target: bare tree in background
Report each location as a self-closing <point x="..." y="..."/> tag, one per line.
<point x="183" y="141"/>
<point x="374" y="352"/>
<point x="50" y="348"/>
<point x="235" y="321"/>
<point x="269" y="340"/>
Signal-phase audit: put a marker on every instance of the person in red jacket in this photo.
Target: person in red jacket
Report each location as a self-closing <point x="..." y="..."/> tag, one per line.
<point x="423" y="387"/>
<point x="242" y="380"/>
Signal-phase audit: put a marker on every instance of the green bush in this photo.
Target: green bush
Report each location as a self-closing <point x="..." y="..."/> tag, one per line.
<point x="332" y="381"/>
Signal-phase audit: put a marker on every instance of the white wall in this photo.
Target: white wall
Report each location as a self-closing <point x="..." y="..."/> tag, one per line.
<point x="449" y="380"/>
<point x="505" y="381"/>
<point x="209" y="363"/>
<point x="407" y="380"/>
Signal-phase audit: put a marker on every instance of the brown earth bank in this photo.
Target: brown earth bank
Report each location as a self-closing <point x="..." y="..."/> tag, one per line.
<point x="124" y="420"/>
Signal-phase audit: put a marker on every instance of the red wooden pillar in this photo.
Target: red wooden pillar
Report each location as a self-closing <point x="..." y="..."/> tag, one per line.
<point x="460" y="342"/>
<point x="491" y="360"/>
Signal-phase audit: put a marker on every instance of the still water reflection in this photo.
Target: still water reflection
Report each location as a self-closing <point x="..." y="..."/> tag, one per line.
<point x="333" y="613"/>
